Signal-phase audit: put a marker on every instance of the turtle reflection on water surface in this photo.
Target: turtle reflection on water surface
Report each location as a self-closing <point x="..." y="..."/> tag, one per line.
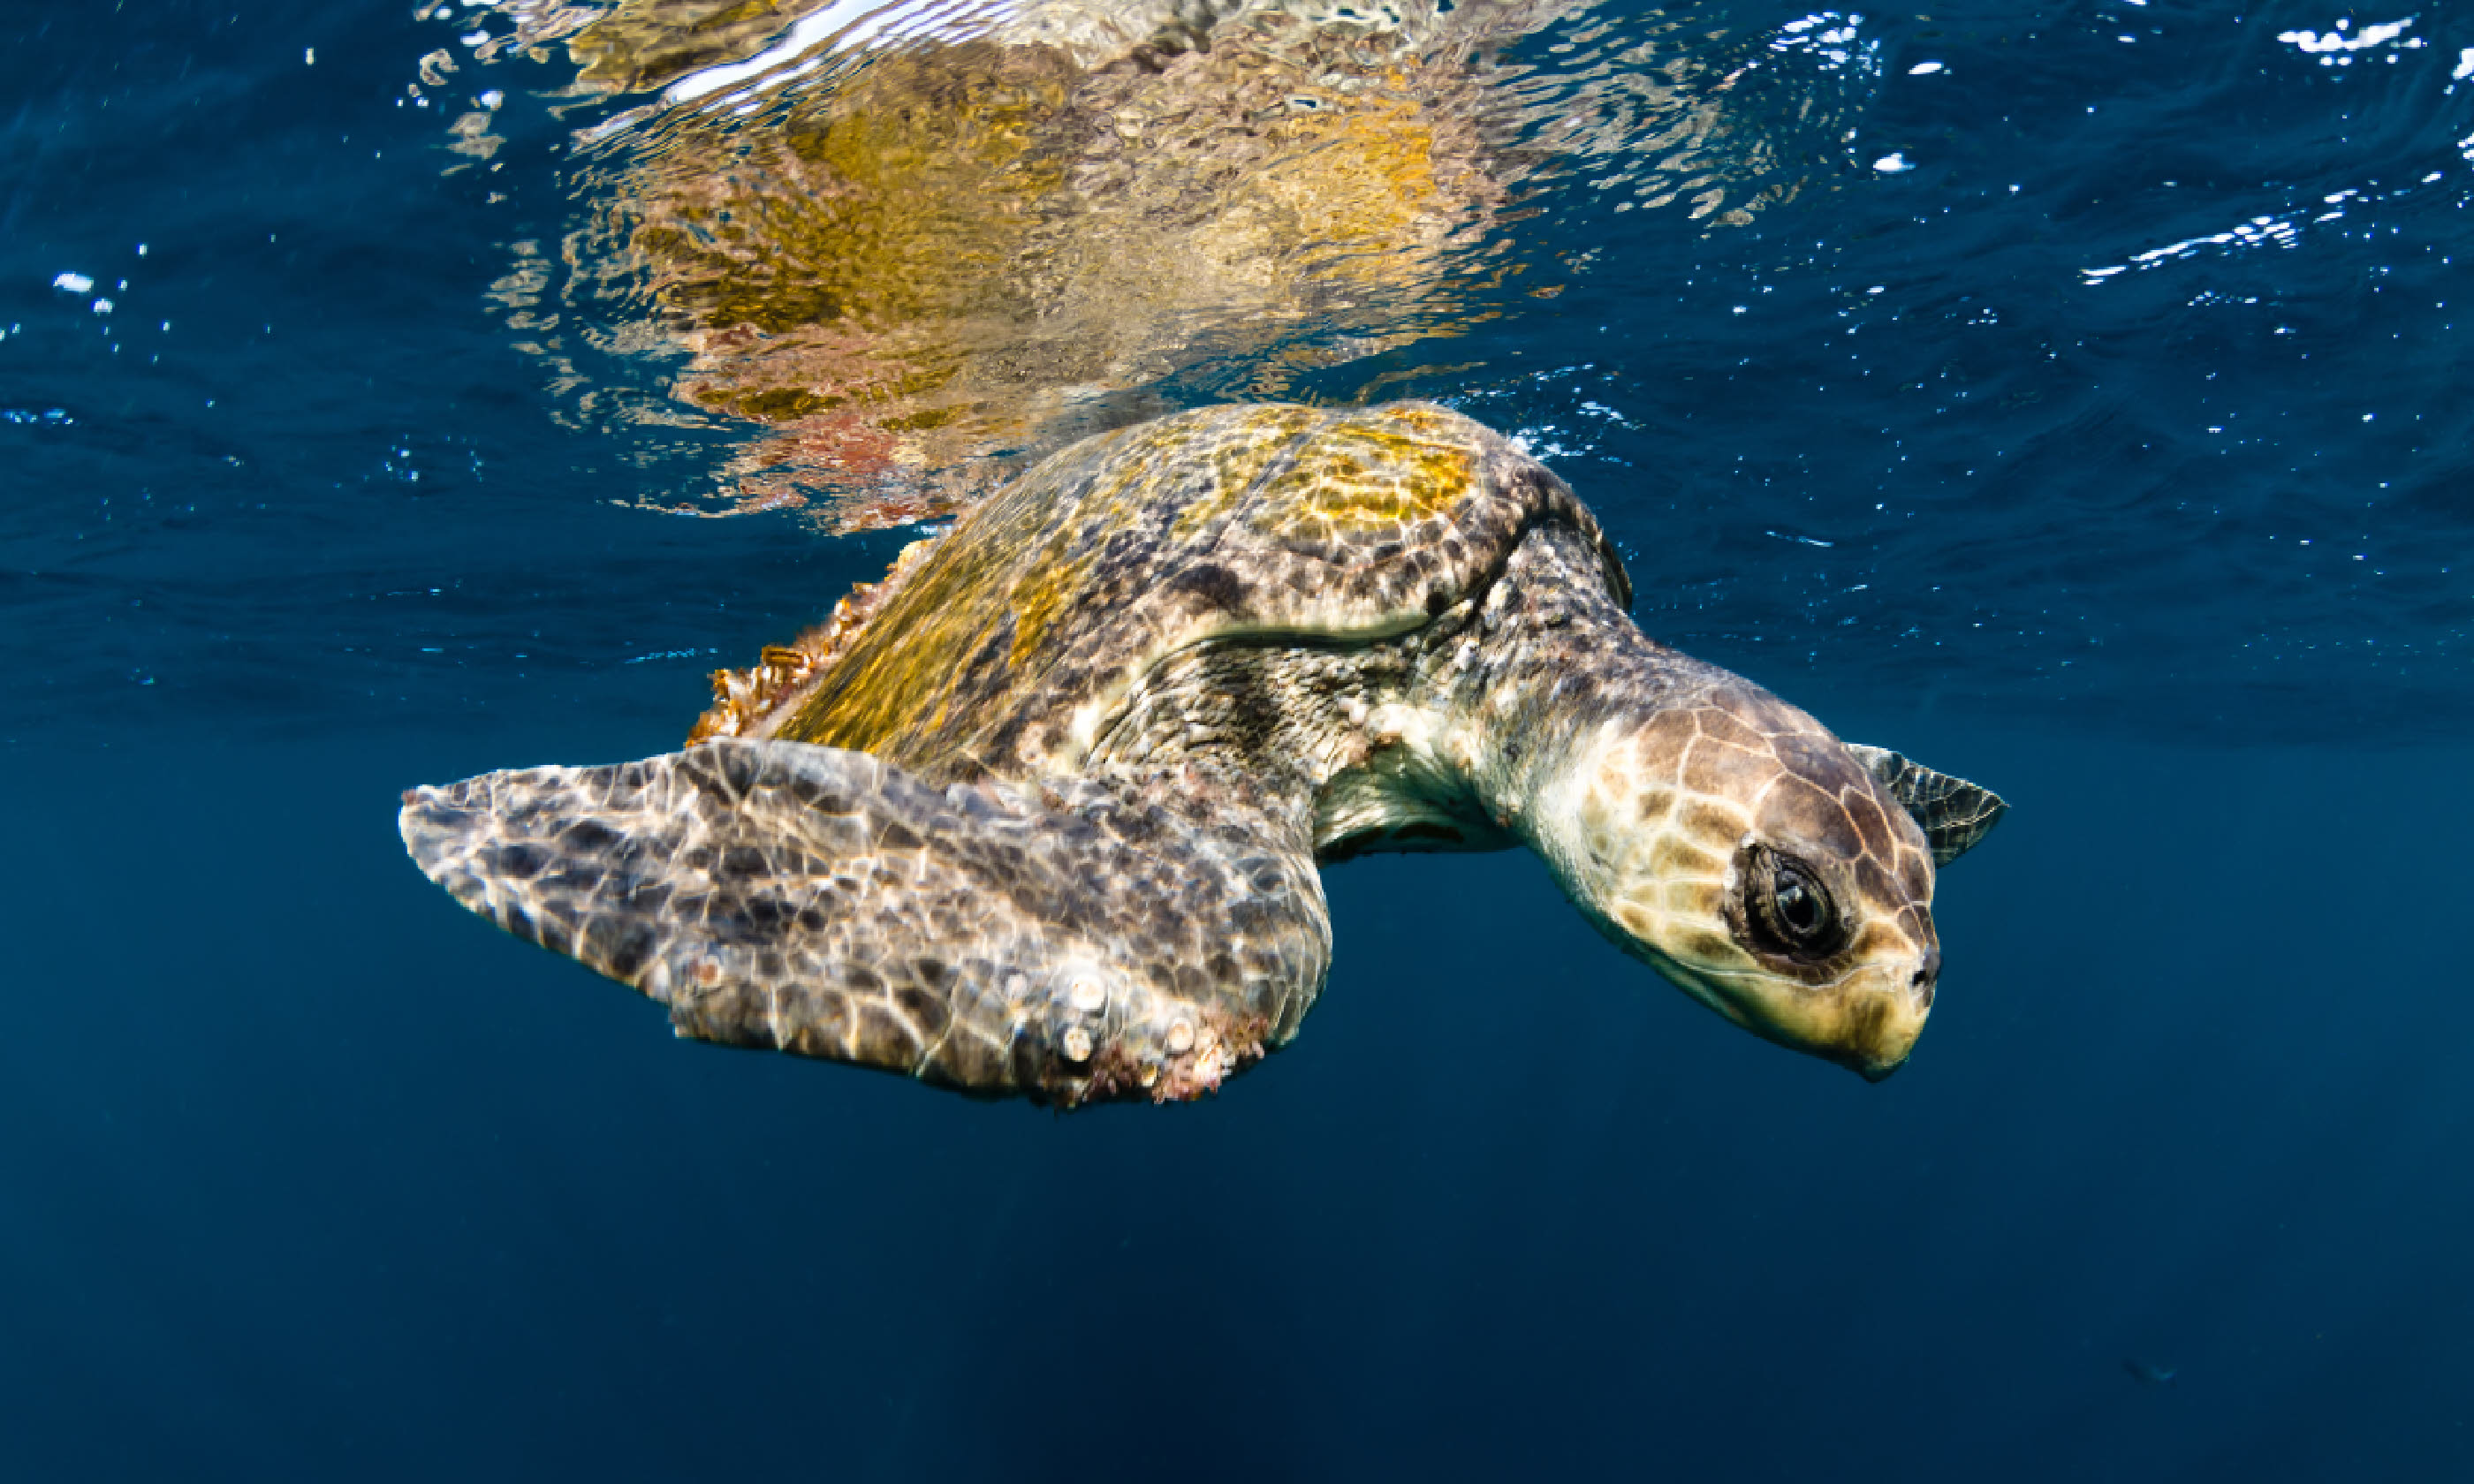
<point x="919" y="263"/>
<point x="1041" y="813"/>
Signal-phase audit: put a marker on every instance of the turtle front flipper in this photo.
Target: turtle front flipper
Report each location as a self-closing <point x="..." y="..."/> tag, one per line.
<point x="1067" y="941"/>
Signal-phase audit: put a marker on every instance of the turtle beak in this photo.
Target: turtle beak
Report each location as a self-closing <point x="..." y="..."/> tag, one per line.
<point x="1884" y="1021"/>
<point x="1867" y="1023"/>
<point x="1874" y="1045"/>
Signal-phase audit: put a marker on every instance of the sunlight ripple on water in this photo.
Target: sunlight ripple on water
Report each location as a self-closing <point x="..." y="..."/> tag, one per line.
<point x="903" y="247"/>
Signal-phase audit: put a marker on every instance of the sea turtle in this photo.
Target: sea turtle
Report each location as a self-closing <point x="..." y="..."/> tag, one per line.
<point x="1041" y="813"/>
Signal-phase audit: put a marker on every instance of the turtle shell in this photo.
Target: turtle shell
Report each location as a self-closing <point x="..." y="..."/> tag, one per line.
<point x="1003" y="648"/>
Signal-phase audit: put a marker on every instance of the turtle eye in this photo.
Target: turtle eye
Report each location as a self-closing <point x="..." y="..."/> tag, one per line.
<point x="1788" y="911"/>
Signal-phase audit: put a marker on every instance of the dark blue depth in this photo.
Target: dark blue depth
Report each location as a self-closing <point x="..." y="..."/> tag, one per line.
<point x="309" y="1175"/>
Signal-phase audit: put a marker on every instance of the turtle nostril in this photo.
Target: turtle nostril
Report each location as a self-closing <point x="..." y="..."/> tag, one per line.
<point x="1927" y="970"/>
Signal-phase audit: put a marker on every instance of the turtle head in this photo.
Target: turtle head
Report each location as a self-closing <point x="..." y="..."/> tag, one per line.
<point x="1769" y="870"/>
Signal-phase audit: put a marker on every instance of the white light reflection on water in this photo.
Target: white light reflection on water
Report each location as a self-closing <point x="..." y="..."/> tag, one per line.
<point x="2285" y="228"/>
<point x="844" y="26"/>
<point x="2258" y="232"/>
<point x="2281" y="230"/>
<point x="1833" y="38"/>
<point x="2335" y="46"/>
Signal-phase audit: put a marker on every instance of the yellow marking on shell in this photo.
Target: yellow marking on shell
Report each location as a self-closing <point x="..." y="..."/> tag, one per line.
<point x="1387" y="469"/>
<point x="1049" y="588"/>
<point x="970" y="637"/>
<point x="1241" y="460"/>
<point x="922" y="661"/>
<point x="903" y="668"/>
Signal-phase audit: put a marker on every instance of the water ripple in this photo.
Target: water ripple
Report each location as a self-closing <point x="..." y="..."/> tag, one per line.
<point x="905" y="246"/>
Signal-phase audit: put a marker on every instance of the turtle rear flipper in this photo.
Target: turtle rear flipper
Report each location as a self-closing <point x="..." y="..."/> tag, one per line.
<point x="1954" y="813"/>
<point x="1067" y="941"/>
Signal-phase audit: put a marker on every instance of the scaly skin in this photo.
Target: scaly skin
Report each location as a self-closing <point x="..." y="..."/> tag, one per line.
<point x="1543" y="716"/>
<point x="1069" y="942"/>
<point x="1041" y="815"/>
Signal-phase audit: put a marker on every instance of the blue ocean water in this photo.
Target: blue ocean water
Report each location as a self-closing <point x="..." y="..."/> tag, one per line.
<point x="2086" y="420"/>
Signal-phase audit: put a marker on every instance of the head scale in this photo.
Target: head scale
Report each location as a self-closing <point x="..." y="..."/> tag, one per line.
<point x="1736" y="846"/>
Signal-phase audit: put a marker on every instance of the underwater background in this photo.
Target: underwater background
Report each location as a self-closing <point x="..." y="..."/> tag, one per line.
<point x="2068" y="397"/>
